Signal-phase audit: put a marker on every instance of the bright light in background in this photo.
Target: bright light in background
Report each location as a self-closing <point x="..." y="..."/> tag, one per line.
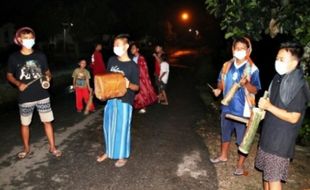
<point x="190" y="30"/>
<point x="185" y="16"/>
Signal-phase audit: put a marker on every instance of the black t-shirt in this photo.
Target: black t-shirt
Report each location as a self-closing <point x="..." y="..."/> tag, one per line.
<point x="278" y="137"/>
<point x="130" y="70"/>
<point x="26" y="68"/>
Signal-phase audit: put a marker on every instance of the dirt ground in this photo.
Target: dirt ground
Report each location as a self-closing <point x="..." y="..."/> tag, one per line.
<point x="209" y="129"/>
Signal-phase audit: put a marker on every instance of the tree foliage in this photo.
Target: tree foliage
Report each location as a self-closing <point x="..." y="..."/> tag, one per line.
<point x="254" y="18"/>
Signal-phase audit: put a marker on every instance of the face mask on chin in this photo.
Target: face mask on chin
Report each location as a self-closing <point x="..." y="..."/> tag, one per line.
<point x="28" y="43"/>
<point x="281" y="67"/>
<point x="240" y="55"/>
<point x="119" y="51"/>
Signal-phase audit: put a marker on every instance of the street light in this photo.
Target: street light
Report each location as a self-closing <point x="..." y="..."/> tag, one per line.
<point x="184" y="16"/>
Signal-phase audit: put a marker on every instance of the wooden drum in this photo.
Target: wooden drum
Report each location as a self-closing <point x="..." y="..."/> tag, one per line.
<point x="110" y="85"/>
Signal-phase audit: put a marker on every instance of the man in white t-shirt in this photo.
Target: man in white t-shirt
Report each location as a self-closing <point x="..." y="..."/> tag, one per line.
<point x="163" y="80"/>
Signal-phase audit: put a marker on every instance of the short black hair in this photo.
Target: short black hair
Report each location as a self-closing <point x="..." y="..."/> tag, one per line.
<point x="164" y="57"/>
<point x="241" y="40"/>
<point x="82" y="59"/>
<point x="294" y="48"/>
<point x="135" y="44"/>
<point x="97" y="44"/>
<point x="124" y="37"/>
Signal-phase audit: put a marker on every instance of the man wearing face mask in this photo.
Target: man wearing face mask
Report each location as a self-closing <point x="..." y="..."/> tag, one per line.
<point x="118" y="111"/>
<point x="241" y="70"/>
<point x="289" y="94"/>
<point x="25" y="70"/>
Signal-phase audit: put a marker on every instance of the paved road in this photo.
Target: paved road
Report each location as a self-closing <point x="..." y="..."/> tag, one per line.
<point x="166" y="152"/>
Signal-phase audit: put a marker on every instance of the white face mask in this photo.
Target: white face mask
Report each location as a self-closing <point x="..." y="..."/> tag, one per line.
<point x="28" y="43"/>
<point x="119" y="51"/>
<point x="281" y="67"/>
<point x="240" y="54"/>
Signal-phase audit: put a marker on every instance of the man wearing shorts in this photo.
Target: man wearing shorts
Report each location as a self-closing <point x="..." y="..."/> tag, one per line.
<point x="26" y="69"/>
<point x="242" y="70"/>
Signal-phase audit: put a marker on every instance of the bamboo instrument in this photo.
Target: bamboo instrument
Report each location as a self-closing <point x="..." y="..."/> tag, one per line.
<point x="252" y="126"/>
<point x="43" y="80"/>
<point x="31" y="82"/>
<point x="230" y="94"/>
<point x="237" y="118"/>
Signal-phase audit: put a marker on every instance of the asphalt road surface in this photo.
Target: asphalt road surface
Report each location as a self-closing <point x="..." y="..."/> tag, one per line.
<point x="166" y="152"/>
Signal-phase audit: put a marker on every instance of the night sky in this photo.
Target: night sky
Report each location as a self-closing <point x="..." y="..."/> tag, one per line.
<point x="95" y="17"/>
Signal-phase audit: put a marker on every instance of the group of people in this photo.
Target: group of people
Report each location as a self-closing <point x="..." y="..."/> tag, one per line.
<point x="28" y="67"/>
<point x="144" y="97"/>
<point x="285" y="107"/>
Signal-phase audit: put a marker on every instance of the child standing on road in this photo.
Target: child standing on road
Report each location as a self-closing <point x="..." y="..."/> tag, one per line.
<point x="25" y="68"/>
<point x="118" y="111"/>
<point x="81" y="85"/>
<point x="146" y="95"/>
<point x="163" y="80"/>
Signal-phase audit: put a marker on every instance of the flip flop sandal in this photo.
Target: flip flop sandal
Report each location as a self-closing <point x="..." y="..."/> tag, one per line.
<point x="164" y="103"/>
<point x="217" y="160"/>
<point x="56" y="153"/>
<point x="102" y="158"/>
<point x="239" y="172"/>
<point x="120" y="163"/>
<point x="23" y="154"/>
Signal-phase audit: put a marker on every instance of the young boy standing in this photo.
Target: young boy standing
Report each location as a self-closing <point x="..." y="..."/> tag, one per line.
<point x="285" y="110"/>
<point x="81" y="85"/>
<point x="163" y="79"/>
<point x="118" y="111"/>
<point x="25" y="69"/>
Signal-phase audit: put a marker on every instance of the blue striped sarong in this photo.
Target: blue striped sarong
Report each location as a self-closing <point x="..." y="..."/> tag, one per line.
<point x="116" y="128"/>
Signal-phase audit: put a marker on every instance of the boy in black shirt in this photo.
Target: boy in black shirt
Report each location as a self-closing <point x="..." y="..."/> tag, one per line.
<point x="118" y="111"/>
<point x="289" y="94"/>
<point x="26" y="70"/>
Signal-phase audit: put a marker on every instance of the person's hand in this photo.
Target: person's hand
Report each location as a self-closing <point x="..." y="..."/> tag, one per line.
<point x="48" y="78"/>
<point x="90" y="89"/>
<point x="243" y="80"/>
<point x="264" y="103"/>
<point x="22" y="87"/>
<point x="127" y="82"/>
<point x="217" y="92"/>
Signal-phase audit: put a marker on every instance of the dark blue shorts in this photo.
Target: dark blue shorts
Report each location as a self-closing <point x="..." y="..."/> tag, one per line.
<point x="228" y="126"/>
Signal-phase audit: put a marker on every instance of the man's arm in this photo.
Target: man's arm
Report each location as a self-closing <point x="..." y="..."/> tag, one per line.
<point x="20" y="85"/>
<point x="291" y="117"/>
